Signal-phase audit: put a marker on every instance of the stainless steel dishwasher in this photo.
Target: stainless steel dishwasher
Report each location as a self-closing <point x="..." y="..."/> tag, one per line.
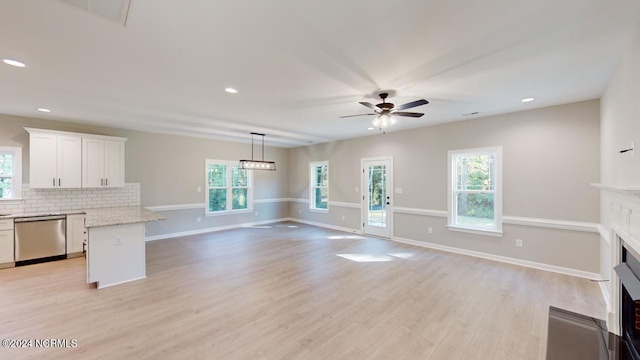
<point x="40" y="238"/>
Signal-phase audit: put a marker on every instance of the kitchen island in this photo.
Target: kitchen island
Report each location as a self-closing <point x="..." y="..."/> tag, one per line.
<point x="115" y="244"/>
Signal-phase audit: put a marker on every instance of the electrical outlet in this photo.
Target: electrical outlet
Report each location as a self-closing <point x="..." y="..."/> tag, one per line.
<point x="519" y="242"/>
<point x="199" y="219"/>
<point x="430" y="230"/>
<point x="357" y="189"/>
<point x="117" y="240"/>
<point x="256" y="213"/>
<point x="398" y="190"/>
<point x="299" y="211"/>
<point x="343" y="217"/>
<point x="199" y="189"/>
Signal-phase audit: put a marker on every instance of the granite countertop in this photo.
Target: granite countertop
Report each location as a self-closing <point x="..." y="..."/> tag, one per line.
<point x="101" y="216"/>
<point x="45" y="213"/>
<point x="119" y="216"/>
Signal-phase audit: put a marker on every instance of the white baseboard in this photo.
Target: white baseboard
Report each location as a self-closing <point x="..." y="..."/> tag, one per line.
<point x="504" y="259"/>
<point x="119" y="282"/>
<point x="610" y="321"/>
<point x="214" y="229"/>
<point x="333" y="227"/>
<point x="605" y="294"/>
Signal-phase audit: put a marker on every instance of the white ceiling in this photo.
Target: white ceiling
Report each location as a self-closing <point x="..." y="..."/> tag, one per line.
<point x="300" y="64"/>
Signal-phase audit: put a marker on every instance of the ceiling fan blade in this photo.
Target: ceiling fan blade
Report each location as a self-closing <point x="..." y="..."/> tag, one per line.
<point x="411" y="104"/>
<point x="409" y="114"/>
<point x="371" y="106"/>
<point x="347" y="116"/>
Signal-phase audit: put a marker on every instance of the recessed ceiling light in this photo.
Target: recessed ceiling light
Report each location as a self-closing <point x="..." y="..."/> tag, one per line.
<point x="370" y="128"/>
<point x="44" y="110"/>
<point x="526" y="100"/>
<point x="231" y="90"/>
<point x="13" y="63"/>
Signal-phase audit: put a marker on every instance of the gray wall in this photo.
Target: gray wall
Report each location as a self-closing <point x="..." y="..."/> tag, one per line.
<point x="550" y="157"/>
<point x="169" y="169"/>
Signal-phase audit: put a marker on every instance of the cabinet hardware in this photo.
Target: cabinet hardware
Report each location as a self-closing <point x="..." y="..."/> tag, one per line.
<point x="106" y="182"/>
<point x="54" y="181"/>
<point x="59" y="182"/>
<point x="101" y="182"/>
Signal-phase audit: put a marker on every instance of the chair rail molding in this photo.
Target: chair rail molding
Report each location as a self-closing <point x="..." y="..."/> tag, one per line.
<point x="512" y="220"/>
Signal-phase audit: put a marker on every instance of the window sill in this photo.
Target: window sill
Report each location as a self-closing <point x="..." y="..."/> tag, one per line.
<point x="232" y="212"/>
<point x="495" y="233"/>
<point x="319" y="210"/>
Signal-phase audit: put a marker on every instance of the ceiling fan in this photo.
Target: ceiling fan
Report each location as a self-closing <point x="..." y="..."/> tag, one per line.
<point x="384" y="110"/>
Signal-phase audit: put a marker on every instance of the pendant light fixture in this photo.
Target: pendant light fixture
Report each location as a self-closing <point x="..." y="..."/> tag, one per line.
<point x="257" y="164"/>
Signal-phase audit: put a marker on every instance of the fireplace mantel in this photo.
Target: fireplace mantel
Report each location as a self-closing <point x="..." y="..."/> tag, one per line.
<point x="633" y="190"/>
<point x="620" y="222"/>
<point x="623" y="215"/>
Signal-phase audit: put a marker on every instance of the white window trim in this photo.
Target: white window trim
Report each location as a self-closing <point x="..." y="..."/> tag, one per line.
<point x="497" y="201"/>
<point x="229" y="164"/>
<point x="17" y="172"/>
<point x="312" y="166"/>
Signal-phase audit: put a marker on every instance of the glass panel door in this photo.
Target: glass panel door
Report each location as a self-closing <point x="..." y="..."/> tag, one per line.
<point x="377" y="197"/>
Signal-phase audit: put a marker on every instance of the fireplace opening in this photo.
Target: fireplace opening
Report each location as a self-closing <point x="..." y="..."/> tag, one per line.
<point x="629" y="273"/>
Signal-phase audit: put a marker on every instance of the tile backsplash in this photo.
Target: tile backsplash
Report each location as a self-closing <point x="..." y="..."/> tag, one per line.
<point x="44" y="200"/>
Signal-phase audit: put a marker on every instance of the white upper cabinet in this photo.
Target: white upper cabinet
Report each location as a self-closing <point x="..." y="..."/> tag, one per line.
<point x="60" y="159"/>
<point x="114" y="163"/>
<point x="42" y="160"/>
<point x="102" y="163"/>
<point x="92" y="162"/>
<point x="55" y="160"/>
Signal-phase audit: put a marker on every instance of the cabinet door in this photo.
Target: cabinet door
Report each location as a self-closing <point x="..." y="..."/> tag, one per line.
<point x="76" y="233"/>
<point x="114" y="163"/>
<point x="69" y="161"/>
<point x="92" y="162"/>
<point x="42" y="160"/>
<point x="6" y="246"/>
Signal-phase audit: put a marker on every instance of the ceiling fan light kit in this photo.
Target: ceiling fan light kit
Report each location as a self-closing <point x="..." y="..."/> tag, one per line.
<point x="383" y="121"/>
<point x="385" y="110"/>
<point x="257" y="164"/>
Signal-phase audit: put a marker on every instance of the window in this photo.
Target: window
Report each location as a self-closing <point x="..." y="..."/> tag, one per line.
<point x="319" y="185"/>
<point x="10" y="173"/>
<point x="475" y="183"/>
<point x="228" y="187"/>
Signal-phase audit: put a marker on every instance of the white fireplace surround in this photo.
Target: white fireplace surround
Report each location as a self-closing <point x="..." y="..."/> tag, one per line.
<point x="621" y="206"/>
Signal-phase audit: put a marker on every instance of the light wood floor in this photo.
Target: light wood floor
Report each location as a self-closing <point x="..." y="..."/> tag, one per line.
<point x="282" y="292"/>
